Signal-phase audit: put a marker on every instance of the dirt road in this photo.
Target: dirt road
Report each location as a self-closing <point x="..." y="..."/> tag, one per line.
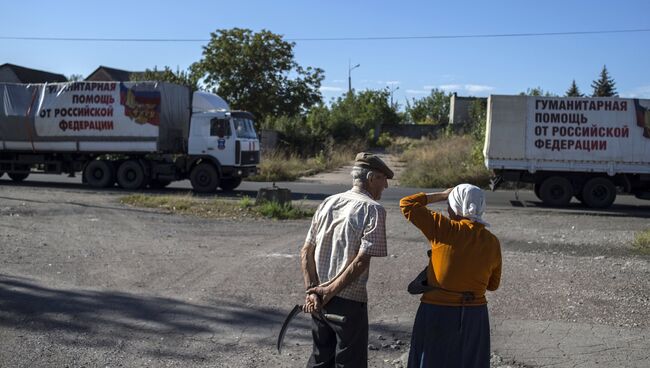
<point x="87" y="282"/>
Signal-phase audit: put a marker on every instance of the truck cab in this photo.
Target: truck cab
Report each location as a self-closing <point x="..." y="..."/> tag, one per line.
<point x="222" y="144"/>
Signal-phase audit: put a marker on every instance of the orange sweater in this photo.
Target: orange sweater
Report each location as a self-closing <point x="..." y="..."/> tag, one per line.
<point x="465" y="256"/>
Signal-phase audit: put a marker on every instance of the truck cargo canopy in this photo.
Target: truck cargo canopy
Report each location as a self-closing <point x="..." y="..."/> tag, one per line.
<point x="91" y="116"/>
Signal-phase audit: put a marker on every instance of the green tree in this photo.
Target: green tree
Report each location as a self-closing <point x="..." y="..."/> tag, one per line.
<point x="537" y="91"/>
<point x="573" y="91"/>
<point x="604" y="86"/>
<point x="75" y="78"/>
<point x="433" y="109"/>
<point x="360" y="114"/>
<point x="257" y="72"/>
<point x="187" y="78"/>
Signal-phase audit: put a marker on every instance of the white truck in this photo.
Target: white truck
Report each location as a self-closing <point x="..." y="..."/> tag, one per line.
<point x="137" y="134"/>
<point x="567" y="147"/>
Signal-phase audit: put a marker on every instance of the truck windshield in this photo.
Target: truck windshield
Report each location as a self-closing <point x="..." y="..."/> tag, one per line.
<point x="244" y="128"/>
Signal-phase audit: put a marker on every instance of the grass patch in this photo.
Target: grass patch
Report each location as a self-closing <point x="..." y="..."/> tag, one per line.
<point x="441" y="163"/>
<point x="642" y="242"/>
<point x="216" y="207"/>
<point x="283" y="211"/>
<point x="281" y="166"/>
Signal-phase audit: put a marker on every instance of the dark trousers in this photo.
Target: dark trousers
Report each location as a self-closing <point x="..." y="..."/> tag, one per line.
<point x="341" y="345"/>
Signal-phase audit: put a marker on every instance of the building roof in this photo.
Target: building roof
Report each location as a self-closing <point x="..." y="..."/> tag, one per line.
<point x="27" y="75"/>
<point x="104" y="73"/>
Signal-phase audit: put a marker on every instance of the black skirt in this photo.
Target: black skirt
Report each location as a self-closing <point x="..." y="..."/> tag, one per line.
<point x="450" y="337"/>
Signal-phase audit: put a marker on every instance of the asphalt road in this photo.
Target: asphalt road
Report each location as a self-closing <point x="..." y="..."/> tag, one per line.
<point x="625" y="205"/>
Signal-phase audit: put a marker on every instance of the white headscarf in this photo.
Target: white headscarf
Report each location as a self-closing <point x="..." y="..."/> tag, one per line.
<point x="468" y="201"/>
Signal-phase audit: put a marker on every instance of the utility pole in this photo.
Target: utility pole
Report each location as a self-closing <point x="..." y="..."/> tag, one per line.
<point x="350" y="68"/>
<point x="391" y="94"/>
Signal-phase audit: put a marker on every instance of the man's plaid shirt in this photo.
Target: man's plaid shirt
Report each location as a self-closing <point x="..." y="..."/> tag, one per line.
<point x="344" y="225"/>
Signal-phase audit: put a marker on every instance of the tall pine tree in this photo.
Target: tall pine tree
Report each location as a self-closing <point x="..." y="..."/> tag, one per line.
<point x="573" y="90"/>
<point x="605" y="86"/>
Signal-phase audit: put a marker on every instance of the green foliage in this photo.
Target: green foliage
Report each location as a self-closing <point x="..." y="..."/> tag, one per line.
<point x="604" y="86"/>
<point x="75" y="78"/>
<point x="573" y="91"/>
<point x="478" y="115"/>
<point x="442" y="163"/>
<point x="257" y="72"/>
<point x="216" y="208"/>
<point x="352" y="117"/>
<point x="187" y="78"/>
<point x="246" y="202"/>
<point x="537" y="91"/>
<point x="384" y="140"/>
<point x="433" y="109"/>
<point x="284" y="211"/>
<point x="642" y="242"/>
<point x="283" y="166"/>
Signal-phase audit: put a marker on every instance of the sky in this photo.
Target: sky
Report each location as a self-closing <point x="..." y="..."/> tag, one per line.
<point x="469" y="66"/>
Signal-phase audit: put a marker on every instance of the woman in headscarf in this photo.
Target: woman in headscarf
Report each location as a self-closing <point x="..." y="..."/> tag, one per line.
<point x="452" y="327"/>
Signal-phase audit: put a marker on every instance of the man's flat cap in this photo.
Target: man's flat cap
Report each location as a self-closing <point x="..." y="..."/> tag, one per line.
<point x="370" y="161"/>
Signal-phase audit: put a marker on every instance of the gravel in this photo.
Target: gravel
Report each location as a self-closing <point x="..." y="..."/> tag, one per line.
<point x="85" y="281"/>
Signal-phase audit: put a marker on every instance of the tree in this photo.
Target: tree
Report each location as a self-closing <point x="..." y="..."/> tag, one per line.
<point x="537" y="91"/>
<point x="605" y="86"/>
<point x="433" y="109"/>
<point x="356" y="114"/>
<point x="188" y="78"/>
<point x="257" y="72"/>
<point x="573" y="91"/>
<point x="75" y="78"/>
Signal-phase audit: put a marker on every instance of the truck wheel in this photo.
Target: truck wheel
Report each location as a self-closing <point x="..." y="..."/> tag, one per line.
<point x="204" y="178"/>
<point x="130" y="175"/>
<point x="599" y="193"/>
<point x="100" y="174"/>
<point x="18" y="177"/>
<point x="556" y="191"/>
<point x="229" y="183"/>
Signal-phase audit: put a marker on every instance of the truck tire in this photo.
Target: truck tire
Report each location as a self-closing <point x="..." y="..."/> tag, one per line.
<point x="229" y="183"/>
<point x="18" y="177"/>
<point x="130" y="175"/>
<point x="599" y="193"/>
<point x="556" y="191"/>
<point x="204" y="178"/>
<point x="99" y="174"/>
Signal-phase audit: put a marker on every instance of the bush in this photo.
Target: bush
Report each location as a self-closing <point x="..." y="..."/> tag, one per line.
<point x="283" y="166"/>
<point x="642" y="242"/>
<point x="282" y="211"/>
<point x="384" y="140"/>
<point x="442" y="163"/>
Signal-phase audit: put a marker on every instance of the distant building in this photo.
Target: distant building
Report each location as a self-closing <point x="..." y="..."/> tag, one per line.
<point x="10" y="73"/>
<point x="106" y="74"/>
<point x="459" y="109"/>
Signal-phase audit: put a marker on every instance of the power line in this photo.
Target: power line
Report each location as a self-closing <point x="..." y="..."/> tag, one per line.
<point x="497" y="35"/>
<point x="379" y="38"/>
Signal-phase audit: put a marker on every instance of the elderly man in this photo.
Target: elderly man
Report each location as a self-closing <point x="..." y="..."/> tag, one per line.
<point x="346" y="231"/>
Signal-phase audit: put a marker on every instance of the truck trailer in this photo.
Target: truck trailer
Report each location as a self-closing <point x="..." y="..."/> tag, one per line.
<point x="587" y="148"/>
<point x="135" y="134"/>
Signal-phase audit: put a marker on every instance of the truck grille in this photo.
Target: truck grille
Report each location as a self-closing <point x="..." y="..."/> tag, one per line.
<point x="250" y="157"/>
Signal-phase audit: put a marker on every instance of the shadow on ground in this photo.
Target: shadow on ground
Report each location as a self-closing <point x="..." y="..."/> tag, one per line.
<point x="108" y="319"/>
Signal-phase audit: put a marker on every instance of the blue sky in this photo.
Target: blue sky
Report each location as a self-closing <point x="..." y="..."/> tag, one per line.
<point x="468" y="66"/>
